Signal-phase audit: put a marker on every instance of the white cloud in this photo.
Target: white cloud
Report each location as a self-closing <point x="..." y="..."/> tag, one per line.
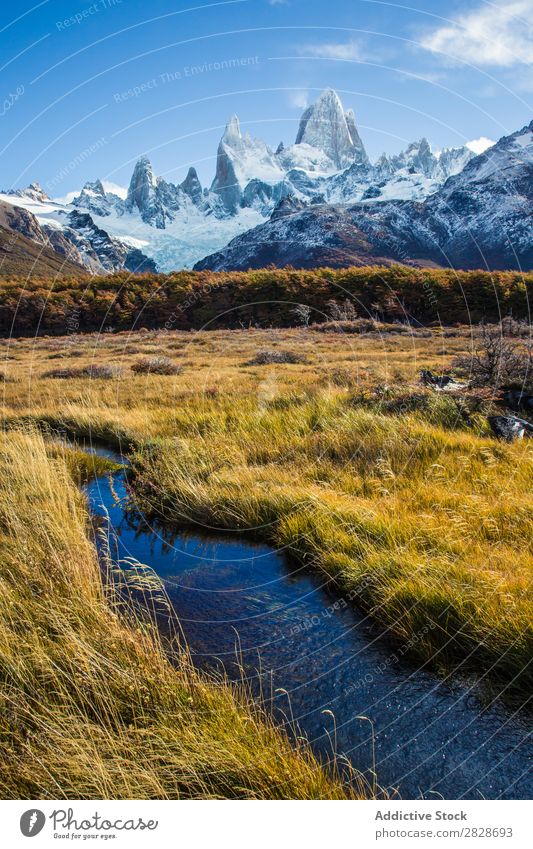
<point x="335" y="50"/>
<point x="298" y="99"/>
<point x="67" y="198"/>
<point x="121" y="191"/>
<point x="491" y="34"/>
<point x="109" y="186"/>
<point x="479" y="145"/>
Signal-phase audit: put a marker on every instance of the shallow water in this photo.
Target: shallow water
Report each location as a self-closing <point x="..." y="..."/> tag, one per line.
<point x="237" y="600"/>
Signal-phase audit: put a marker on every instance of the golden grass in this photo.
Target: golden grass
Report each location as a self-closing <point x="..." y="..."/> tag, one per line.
<point x="90" y="705"/>
<point x="418" y="516"/>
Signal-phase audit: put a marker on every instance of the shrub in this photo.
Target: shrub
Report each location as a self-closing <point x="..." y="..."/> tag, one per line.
<point x="94" y="372"/>
<point x="358" y="325"/>
<point x="265" y="358"/>
<point x="496" y="361"/>
<point x="341" y="310"/>
<point x="156" y="365"/>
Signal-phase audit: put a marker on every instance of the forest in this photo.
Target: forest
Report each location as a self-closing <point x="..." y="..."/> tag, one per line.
<point x="270" y="297"/>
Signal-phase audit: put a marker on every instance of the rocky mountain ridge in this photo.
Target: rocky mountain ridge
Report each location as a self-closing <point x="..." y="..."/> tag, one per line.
<point x="480" y="218"/>
<point x="175" y="225"/>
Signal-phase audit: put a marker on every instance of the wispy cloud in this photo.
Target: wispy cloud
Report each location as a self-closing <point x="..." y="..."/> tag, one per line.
<point x="353" y="50"/>
<point x="109" y="186"/>
<point x="479" y="145"/>
<point x="497" y="34"/>
<point x="335" y="50"/>
<point x="298" y="99"/>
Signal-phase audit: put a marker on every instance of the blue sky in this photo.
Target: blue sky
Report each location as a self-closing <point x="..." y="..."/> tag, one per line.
<point x="88" y="87"/>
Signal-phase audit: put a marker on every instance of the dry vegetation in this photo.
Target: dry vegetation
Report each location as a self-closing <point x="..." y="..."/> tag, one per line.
<point x="396" y="492"/>
<point x="91" y="707"/>
<point x="267" y="297"/>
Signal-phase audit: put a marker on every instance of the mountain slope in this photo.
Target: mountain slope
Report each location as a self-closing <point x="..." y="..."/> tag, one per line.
<point x="70" y="232"/>
<point x="22" y="257"/>
<point x="481" y="217"/>
<point x="321" y="235"/>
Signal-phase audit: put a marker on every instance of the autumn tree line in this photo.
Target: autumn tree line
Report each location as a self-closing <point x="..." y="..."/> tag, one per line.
<point x="185" y="300"/>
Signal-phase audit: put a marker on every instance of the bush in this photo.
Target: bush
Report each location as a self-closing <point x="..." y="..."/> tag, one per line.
<point x="358" y="325"/>
<point x="497" y="362"/>
<point x="94" y="372"/>
<point x="156" y="365"/>
<point x="265" y="358"/>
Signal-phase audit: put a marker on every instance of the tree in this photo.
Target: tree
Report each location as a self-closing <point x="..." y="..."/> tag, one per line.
<point x="302" y="313"/>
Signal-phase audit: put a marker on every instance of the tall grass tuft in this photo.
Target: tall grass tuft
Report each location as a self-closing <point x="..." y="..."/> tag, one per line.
<point x="91" y="705"/>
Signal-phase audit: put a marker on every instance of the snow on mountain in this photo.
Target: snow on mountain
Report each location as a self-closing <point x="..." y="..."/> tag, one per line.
<point x="34" y="191"/>
<point x="479" y="218"/>
<point x="176" y="225"/>
<point x="305" y="157"/>
<point x="484" y="214"/>
<point x="73" y="234"/>
<point x="190" y="236"/>
<point x="95" y="198"/>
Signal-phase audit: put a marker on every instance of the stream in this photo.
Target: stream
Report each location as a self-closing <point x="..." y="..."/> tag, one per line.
<point x="306" y="651"/>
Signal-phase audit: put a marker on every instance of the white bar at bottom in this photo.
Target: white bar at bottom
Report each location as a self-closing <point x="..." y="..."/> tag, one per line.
<point x="267" y="825"/>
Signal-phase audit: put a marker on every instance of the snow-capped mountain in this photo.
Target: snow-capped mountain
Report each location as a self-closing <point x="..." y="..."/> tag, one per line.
<point x="481" y="217"/>
<point x="328" y="128"/>
<point x="241" y="161"/>
<point x="176" y="225"/>
<point x="71" y="232"/>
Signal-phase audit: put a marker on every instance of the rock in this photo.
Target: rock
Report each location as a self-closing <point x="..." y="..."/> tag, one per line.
<point x="143" y="194"/>
<point x="442" y="382"/>
<point x="34" y="191"/>
<point x="478" y="218"/>
<point x="510" y="428"/>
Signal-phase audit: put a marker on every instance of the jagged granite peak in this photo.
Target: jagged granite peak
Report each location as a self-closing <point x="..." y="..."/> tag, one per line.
<point x="418" y="157"/>
<point x="326" y="126"/>
<point x="241" y="159"/>
<point x="355" y="137"/>
<point x="94" y="197"/>
<point x="232" y="132"/>
<point x="452" y="160"/>
<point x="154" y="198"/>
<point x="96" y="187"/>
<point x="142" y="185"/>
<point x="328" y="165"/>
<point x="34" y="191"/>
<point x="192" y="186"/>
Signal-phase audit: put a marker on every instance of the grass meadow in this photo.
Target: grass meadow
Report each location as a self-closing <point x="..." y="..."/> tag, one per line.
<point x="322" y="443"/>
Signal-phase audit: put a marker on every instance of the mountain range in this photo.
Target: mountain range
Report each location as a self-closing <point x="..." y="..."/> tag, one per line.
<point x="319" y="200"/>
